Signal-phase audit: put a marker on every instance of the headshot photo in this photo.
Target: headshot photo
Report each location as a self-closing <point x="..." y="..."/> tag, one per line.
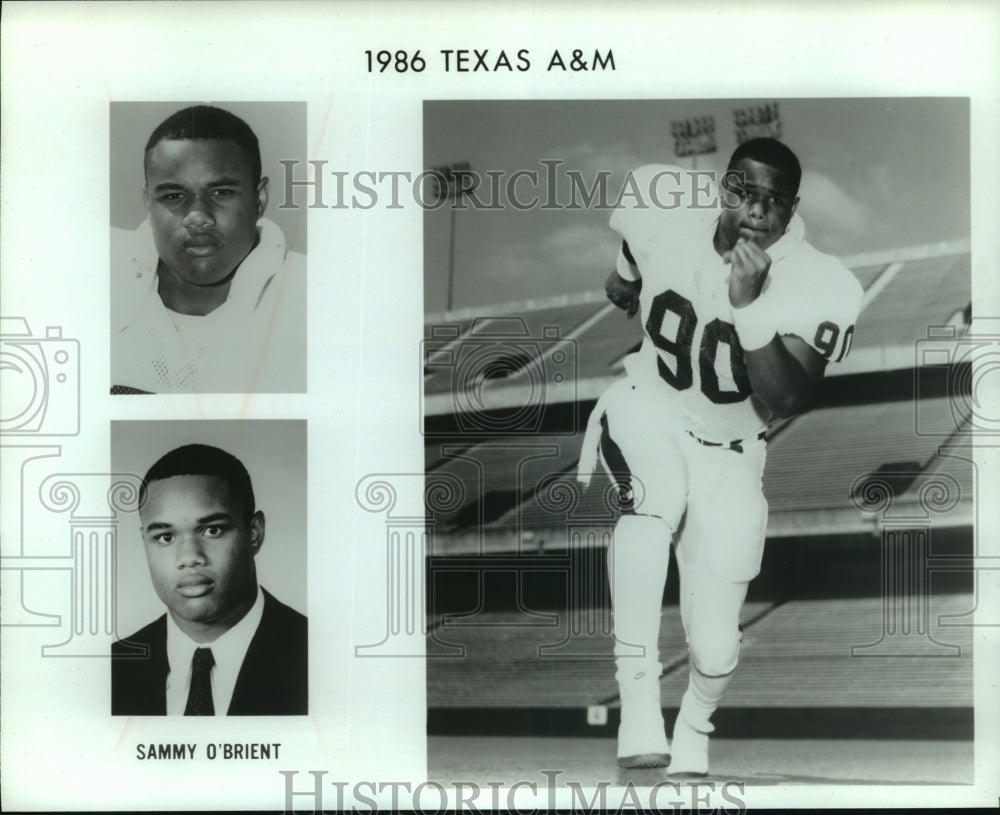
<point x="221" y="642"/>
<point x="208" y="273"/>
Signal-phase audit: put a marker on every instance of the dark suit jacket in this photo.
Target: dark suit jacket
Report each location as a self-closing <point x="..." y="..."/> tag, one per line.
<point x="273" y="680"/>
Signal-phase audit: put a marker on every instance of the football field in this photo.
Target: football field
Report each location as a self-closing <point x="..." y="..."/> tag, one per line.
<point x="831" y="690"/>
<point x="753" y="762"/>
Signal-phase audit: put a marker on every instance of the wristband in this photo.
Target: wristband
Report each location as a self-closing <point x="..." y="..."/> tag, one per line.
<point x="626" y="271"/>
<point x="753" y="325"/>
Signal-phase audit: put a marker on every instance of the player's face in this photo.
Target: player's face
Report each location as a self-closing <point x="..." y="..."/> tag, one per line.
<point x="764" y="202"/>
<point x="200" y="546"/>
<point x="203" y="206"/>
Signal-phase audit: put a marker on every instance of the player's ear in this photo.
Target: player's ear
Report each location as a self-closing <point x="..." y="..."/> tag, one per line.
<point x="262" y="186"/>
<point x="795" y="205"/>
<point x="145" y="198"/>
<point x="256" y="531"/>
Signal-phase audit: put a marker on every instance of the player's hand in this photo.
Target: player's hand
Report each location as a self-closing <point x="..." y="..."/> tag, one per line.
<point x="750" y="267"/>
<point x="623" y="293"/>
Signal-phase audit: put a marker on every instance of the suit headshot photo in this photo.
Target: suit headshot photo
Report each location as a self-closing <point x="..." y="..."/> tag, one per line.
<point x="207" y="281"/>
<point x="225" y="644"/>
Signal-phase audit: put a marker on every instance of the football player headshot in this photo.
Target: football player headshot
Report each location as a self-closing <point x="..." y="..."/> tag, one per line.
<point x="206" y="295"/>
<point x="741" y="316"/>
<point x="225" y="646"/>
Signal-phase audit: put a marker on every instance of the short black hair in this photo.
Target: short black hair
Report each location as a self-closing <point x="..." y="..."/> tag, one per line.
<point x="207" y="122"/>
<point x="773" y="153"/>
<point x="201" y="459"/>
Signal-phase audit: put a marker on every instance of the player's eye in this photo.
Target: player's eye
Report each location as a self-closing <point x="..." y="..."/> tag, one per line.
<point x="223" y="192"/>
<point x="164" y="538"/>
<point x="213" y="531"/>
<point x="738" y="191"/>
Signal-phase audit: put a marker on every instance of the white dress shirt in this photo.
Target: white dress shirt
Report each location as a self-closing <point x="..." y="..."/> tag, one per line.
<point x="229" y="650"/>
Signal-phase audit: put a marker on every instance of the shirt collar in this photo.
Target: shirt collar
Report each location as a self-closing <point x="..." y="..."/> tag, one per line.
<point x="229" y="650"/>
<point x="795" y="233"/>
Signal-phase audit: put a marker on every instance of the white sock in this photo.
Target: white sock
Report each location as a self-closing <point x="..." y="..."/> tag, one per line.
<point x="702" y="698"/>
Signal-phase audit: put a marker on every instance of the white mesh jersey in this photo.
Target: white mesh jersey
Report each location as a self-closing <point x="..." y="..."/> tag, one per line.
<point x="690" y="346"/>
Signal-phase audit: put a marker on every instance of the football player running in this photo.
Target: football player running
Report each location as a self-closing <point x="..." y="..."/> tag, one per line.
<point x="741" y="316"/>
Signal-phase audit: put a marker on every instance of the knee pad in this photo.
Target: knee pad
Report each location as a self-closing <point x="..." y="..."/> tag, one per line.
<point x="716" y="652"/>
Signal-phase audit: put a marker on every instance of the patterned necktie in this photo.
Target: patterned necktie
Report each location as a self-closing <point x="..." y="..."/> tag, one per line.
<point x="199" y="701"/>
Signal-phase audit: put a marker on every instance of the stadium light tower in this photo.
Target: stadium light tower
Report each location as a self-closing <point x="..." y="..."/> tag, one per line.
<point x="693" y="137"/>
<point x="450" y="183"/>
<point x="757" y="121"/>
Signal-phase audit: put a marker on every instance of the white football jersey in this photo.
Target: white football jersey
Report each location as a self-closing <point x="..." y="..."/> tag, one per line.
<point x="691" y="346"/>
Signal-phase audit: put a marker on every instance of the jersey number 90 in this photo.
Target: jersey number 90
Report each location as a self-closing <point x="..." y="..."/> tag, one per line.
<point x="716" y="332"/>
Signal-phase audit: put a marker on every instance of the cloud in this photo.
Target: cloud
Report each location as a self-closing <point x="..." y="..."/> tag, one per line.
<point x="578" y="249"/>
<point x="575" y="257"/>
<point x="590" y="160"/>
<point x="567" y="260"/>
<point x="834" y="219"/>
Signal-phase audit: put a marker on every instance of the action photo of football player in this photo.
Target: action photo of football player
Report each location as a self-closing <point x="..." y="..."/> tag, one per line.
<point x="741" y="316"/>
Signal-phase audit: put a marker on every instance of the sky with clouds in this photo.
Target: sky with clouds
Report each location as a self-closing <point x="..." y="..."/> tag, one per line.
<point x="877" y="174"/>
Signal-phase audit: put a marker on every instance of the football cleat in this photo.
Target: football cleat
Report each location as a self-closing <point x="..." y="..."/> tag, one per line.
<point x="643" y="761"/>
<point x="642" y="740"/>
<point x="690" y="750"/>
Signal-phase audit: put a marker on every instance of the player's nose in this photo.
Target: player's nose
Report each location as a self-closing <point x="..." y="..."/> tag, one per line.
<point x="190" y="552"/>
<point x="199" y="214"/>
<point x="756" y="209"/>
